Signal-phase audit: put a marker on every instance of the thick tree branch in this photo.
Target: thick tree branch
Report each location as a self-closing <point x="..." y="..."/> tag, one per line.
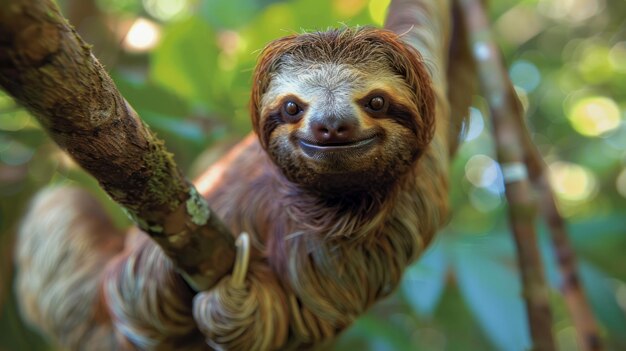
<point x="504" y="109"/>
<point x="48" y="69"/>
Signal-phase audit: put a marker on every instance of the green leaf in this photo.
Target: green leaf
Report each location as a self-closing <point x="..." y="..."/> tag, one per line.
<point x="184" y="129"/>
<point x="229" y="14"/>
<point x="601" y="240"/>
<point x="145" y="96"/>
<point x="601" y="291"/>
<point x="492" y="290"/>
<point x="281" y="19"/>
<point x="373" y="334"/>
<point x="424" y="281"/>
<point x="186" y="62"/>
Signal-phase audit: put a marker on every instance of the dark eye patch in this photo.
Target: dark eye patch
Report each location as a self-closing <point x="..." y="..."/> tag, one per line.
<point x="397" y="112"/>
<point x="403" y="116"/>
<point x="283" y="113"/>
<point x="272" y="121"/>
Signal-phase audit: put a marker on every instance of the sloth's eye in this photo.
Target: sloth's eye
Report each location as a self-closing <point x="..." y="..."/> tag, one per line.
<point x="377" y="103"/>
<point x="291" y="108"/>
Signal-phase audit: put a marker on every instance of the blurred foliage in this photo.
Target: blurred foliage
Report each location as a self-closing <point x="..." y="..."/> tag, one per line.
<point x="185" y="66"/>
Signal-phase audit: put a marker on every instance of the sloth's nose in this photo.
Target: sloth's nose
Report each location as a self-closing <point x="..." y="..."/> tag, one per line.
<point x="334" y="130"/>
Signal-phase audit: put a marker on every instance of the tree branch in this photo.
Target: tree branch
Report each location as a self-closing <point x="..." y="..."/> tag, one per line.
<point x="574" y="294"/>
<point x="47" y="68"/>
<point x="584" y="321"/>
<point x="503" y="105"/>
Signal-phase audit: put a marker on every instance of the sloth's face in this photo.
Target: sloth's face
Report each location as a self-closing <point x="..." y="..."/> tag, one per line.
<point x="339" y="127"/>
<point x="343" y="110"/>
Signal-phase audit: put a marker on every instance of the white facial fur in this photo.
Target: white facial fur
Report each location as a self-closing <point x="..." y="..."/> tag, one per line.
<point x="330" y="87"/>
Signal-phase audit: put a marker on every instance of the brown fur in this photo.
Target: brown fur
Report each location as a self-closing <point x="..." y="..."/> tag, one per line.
<point x="65" y="241"/>
<point x="352" y="47"/>
<point x="337" y="255"/>
<point x="325" y="255"/>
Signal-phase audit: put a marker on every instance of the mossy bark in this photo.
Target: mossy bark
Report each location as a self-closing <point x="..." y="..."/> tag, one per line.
<point x="47" y="68"/>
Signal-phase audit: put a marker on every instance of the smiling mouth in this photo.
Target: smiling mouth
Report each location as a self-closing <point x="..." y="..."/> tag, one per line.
<point x="313" y="149"/>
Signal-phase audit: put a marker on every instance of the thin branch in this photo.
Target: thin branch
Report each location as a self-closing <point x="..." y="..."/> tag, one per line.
<point x="584" y="321"/>
<point x="522" y="209"/>
<point x="574" y="295"/>
<point x="48" y="69"/>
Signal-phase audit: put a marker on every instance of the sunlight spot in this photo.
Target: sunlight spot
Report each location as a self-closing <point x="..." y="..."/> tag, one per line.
<point x="481" y="50"/>
<point x="572" y="182"/>
<point x="595" y="115"/>
<point x="520" y="23"/>
<point x="164" y="9"/>
<point x="142" y="36"/>
<point x="474" y="125"/>
<point x="482" y="171"/>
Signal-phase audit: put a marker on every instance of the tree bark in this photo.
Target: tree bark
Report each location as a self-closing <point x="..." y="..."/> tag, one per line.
<point x="48" y="69"/>
<point x="505" y="112"/>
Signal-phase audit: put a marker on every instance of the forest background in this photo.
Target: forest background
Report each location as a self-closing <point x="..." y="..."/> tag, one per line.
<point x="185" y="66"/>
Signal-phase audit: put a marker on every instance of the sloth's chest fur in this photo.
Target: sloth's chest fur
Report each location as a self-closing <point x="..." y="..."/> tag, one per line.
<point x="339" y="263"/>
<point x="334" y="259"/>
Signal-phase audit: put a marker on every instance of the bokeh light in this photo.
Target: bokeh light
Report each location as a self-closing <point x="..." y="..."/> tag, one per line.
<point x="568" y="67"/>
<point x="482" y="171"/>
<point x="164" y="9"/>
<point x="593" y="116"/>
<point x="525" y="74"/>
<point x="474" y="125"/>
<point x="572" y="11"/>
<point x="572" y="182"/>
<point x="520" y="23"/>
<point x="142" y="36"/>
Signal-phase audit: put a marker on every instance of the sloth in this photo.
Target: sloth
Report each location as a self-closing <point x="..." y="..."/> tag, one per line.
<point x="342" y="185"/>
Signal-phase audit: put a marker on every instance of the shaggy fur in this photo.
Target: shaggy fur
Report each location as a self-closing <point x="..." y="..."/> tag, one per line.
<point x="337" y="252"/>
<point x="330" y="235"/>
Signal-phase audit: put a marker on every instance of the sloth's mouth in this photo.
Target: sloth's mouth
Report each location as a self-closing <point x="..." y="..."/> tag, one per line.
<point x="316" y="149"/>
